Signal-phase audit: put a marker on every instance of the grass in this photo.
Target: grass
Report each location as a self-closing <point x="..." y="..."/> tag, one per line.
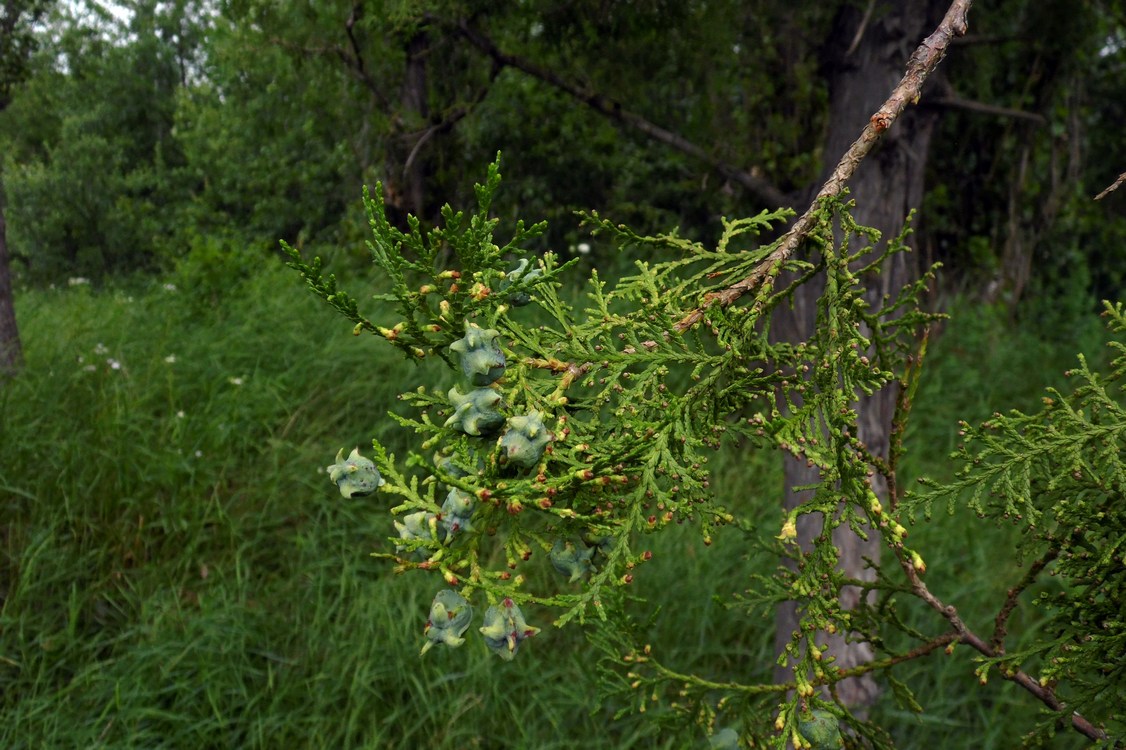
<point x="175" y="572"/>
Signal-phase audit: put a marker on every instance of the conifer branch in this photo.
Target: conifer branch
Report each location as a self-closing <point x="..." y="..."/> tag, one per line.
<point x="921" y="64"/>
<point x="1000" y="624"/>
<point x="1045" y="694"/>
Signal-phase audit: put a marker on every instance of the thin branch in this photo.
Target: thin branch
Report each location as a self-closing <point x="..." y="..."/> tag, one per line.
<point x="349" y="27"/>
<point x="1112" y="188"/>
<point x="1000" y="624"/>
<point x="922" y="62"/>
<point x="957" y="102"/>
<point x="612" y="109"/>
<point x="1042" y="693"/>
<point x="447" y="122"/>
<point x="355" y="66"/>
<point x="862" y="28"/>
<point x="919" y="651"/>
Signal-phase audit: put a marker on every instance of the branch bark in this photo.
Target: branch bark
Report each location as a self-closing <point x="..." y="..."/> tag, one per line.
<point x="1112" y="188"/>
<point x="1042" y="693"/>
<point x="921" y="64"/>
<point x="759" y="186"/>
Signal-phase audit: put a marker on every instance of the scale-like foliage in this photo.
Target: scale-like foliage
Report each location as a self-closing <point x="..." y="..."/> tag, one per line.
<point x="563" y="443"/>
<point x="1060" y="474"/>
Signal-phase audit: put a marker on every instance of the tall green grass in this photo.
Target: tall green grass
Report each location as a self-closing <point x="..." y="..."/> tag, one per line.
<point x="177" y="572"/>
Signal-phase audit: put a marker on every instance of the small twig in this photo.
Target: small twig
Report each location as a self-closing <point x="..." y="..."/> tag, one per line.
<point x="1042" y="693"/>
<point x="921" y="650"/>
<point x="862" y="28"/>
<point x="922" y="62"/>
<point x="349" y="25"/>
<point x="904" y="400"/>
<point x="1002" y="620"/>
<point x="353" y="65"/>
<point x="957" y="102"/>
<point x="450" y="120"/>
<point x="1112" y="188"/>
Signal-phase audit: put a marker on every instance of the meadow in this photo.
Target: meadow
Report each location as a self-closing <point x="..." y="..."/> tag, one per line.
<point x="176" y="570"/>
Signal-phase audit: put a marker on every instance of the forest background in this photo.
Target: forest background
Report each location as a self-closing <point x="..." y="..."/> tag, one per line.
<point x="176" y="570"/>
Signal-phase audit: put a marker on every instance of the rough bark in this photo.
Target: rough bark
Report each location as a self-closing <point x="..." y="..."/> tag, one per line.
<point x="886" y="186"/>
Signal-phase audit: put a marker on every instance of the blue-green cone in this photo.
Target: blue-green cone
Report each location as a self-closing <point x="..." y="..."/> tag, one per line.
<point x="573" y="561"/>
<point x="475" y="412"/>
<point x="450" y="615"/>
<point x="724" y="739"/>
<point x="417" y="526"/>
<point x="519" y="275"/>
<point x="356" y="476"/>
<point x="524" y="441"/>
<point x="447" y="465"/>
<point x="821" y="729"/>
<point x="482" y="361"/>
<point x="456" y="511"/>
<point x="505" y="629"/>
<point x="600" y="544"/>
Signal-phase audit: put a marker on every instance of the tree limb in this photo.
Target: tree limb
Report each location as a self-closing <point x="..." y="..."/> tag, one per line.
<point x="1043" y="693"/>
<point x="1112" y="188"/>
<point x="861" y="28"/>
<point x="1001" y="622"/>
<point x="446" y="123"/>
<point x="921" y="64"/>
<point x="759" y="186"/>
<point x="355" y="66"/>
<point x="957" y="102"/>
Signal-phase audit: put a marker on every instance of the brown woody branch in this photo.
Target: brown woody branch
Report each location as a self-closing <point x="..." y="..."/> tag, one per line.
<point x="920" y="65"/>
<point x="1001" y="623"/>
<point x="919" y="651"/>
<point x="612" y="109"/>
<point x="1112" y="188"/>
<point x="1043" y="693"/>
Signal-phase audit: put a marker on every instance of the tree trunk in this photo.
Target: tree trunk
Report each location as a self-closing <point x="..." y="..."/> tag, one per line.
<point x="865" y="60"/>
<point x="11" y="352"/>
<point x="405" y="186"/>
